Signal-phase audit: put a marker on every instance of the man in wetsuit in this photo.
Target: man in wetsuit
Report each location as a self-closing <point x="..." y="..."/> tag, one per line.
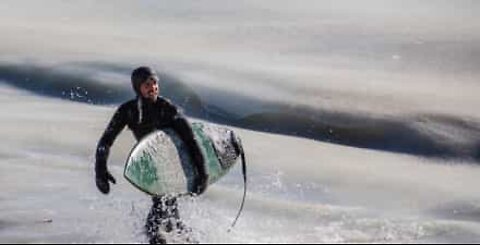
<point x="143" y="115"/>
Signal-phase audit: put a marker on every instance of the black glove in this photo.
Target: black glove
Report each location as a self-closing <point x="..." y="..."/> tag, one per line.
<point x="200" y="184"/>
<point x="102" y="180"/>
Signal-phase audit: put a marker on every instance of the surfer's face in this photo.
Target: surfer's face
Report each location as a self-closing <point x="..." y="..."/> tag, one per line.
<point x="149" y="89"/>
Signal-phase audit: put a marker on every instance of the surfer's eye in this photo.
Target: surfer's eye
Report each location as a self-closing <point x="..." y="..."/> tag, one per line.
<point x="150" y="83"/>
<point x="153" y="80"/>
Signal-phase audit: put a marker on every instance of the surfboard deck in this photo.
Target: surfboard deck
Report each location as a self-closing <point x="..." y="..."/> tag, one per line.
<point x="160" y="163"/>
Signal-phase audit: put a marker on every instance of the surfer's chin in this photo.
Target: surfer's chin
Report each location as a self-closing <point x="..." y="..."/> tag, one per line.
<point x="152" y="98"/>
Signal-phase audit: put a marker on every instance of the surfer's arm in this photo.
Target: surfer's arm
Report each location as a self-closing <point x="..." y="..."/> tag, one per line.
<point x="181" y="125"/>
<point x="116" y="125"/>
<point x="183" y="128"/>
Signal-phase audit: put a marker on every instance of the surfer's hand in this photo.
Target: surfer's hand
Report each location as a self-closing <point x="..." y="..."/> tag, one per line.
<point x="102" y="182"/>
<point x="201" y="184"/>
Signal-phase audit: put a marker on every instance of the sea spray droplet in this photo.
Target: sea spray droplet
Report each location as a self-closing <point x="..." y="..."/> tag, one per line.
<point x="47" y="221"/>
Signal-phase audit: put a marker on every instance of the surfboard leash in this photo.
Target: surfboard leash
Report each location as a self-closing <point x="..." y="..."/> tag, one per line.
<point x="244" y="172"/>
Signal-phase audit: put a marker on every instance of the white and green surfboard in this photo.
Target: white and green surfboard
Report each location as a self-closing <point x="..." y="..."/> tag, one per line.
<point x="160" y="163"/>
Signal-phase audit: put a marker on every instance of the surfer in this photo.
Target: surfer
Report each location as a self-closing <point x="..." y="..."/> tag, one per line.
<point x="144" y="114"/>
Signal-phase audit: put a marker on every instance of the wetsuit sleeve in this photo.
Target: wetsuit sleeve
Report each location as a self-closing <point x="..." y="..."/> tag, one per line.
<point x="116" y="125"/>
<point x="184" y="130"/>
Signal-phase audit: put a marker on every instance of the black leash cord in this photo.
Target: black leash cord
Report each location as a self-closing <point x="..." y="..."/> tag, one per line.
<point x="244" y="172"/>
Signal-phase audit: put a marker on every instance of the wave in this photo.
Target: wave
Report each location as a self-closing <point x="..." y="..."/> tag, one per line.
<point x="103" y="83"/>
<point x="423" y="135"/>
<point x="60" y="84"/>
<point x="94" y="83"/>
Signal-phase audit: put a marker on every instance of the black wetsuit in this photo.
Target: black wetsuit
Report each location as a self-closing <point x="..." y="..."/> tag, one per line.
<point x="143" y="117"/>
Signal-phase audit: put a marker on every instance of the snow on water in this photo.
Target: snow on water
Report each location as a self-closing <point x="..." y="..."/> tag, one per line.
<point x="394" y="86"/>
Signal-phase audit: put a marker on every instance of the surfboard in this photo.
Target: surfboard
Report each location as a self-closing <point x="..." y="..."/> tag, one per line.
<point x="160" y="163"/>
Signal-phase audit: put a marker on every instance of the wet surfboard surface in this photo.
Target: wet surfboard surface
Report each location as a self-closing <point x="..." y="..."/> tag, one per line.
<point x="160" y="163"/>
